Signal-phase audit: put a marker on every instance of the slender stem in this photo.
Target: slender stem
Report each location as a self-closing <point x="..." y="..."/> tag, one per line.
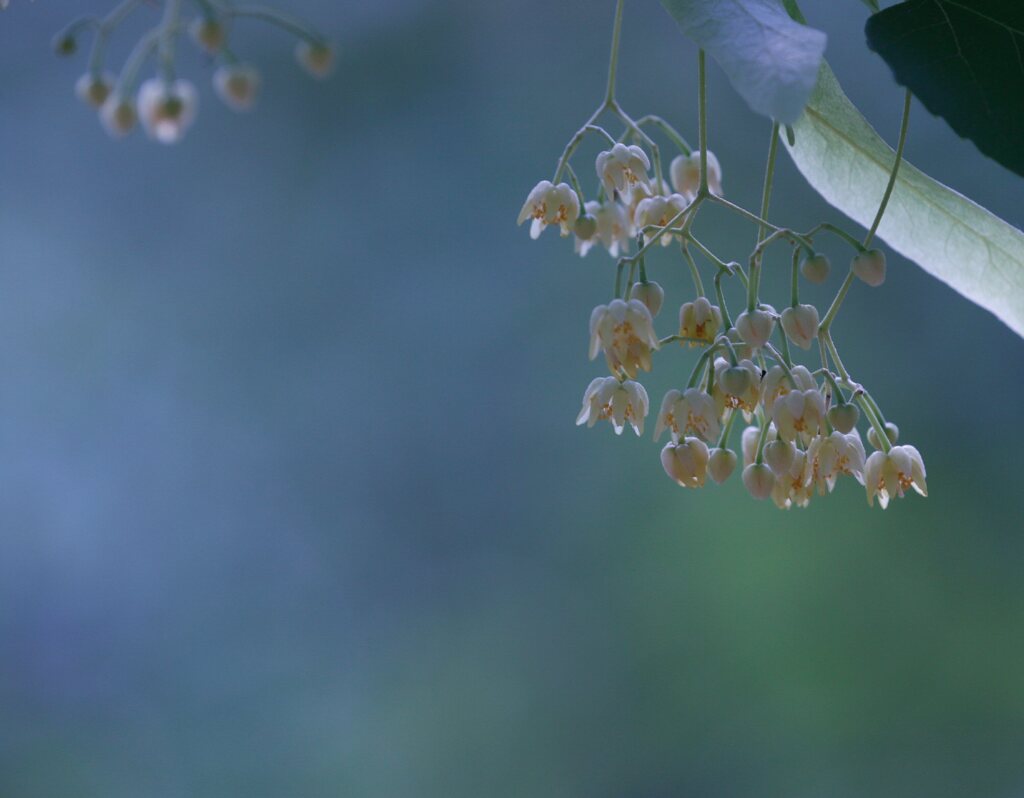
<point x="726" y="320"/>
<point x="895" y="169"/>
<point x="880" y="433"/>
<point x="724" y="439"/>
<point x="613" y="61"/>
<point x="284" y="21"/>
<point x="601" y="131"/>
<point x="853" y="242"/>
<point x="694" y="271"/>
<point x="642" y="261"/>
<point x="782" y="361"/>
<point x="762" y="438"/>
<point x="698" y="367"/>
<point x="168" y="36"/>
<point x="656" y="231"/>
<point x="129" y="73"/>
<point x="831" y="346"/>
<point x="573" y="143"/>
<point x="769" y="177"/>
<point x="668" y="130"/>
<point x="794" y="287"/>
<point x="826" y="323"/>
<point x="668" y="339"/>
<point x="104" y="28"/>
<point x="702" y="120"/>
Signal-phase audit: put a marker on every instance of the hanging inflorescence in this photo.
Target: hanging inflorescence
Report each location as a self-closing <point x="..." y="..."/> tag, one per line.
<point x="166" y="104"/>
<point x="801" y="432"/>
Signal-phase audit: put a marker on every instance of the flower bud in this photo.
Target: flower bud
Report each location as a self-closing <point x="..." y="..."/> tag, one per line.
<point x="800" y="324"/>
<point x="721" y="464"/>
<point x="65" y="45"/>
<point x="167" y="109"/>
<point x="759" y="480"/>
<point x="317" y="58"/>
<point x="208" y="33"/>
<point x="237" y="85"/>
<point x="844" y="417"/>
<point x="686" y="462"/>
<point x="755" y="327"/>
<point x="779" y="456"/>
<point x="118" y="116"/>
<point x="650" y="293"/>
<point x="735" y="380"/>
<point x="585" y="227"/>
<point x="892" y="432"/>
<point x="815" y="269"/>
<point x="93" y="89"/>
<point x="870" y="267"/>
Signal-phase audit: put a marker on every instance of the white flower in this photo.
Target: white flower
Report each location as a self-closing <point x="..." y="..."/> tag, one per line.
<point x="317" y="58"/>
<point x="94" y="89"/>
<point x="828" y="456"/>
<point x="748" y="443"/>
<point x="799" y="414"/>
<point x="755" y="326"/>
<point x="721" y="464"/>
<point x="650" y="293"/>
<point x="759" y="480"/>
<point x="689" y="413"/>
<point x="686" y="462"/>
<point x="618" y="402"/>
<point x="613" y="229"/>
<point x="622" y="168"/>
<point x="800" y="323"/>
<point x="550" y="204"/>
<point x="685" y="173"/>
<point x="725" y="386"/>
<point x="869" y="266"/>
<point x="658" y="212"/>
<point x="792" y="487"/>
<point x="776" y="384"/>
<point x="700" y="320"/>
<point x="118" y="115"/>
<point x="625" y="331"/>
<point x="237" y="85"/>
<point x="167" y="110"/>
<point x="889" y="474"/>
<point x="779" y="455"/>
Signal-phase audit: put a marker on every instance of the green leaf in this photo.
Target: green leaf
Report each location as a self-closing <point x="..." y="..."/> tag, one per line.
<point x="946" y="234"/>
<point x="964" y="59"/>
<point x="770" y="60"/>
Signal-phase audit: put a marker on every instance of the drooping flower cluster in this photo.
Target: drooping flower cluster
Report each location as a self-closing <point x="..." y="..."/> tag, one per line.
<point x="166" y="105"/>
<point x="800" y="425"/>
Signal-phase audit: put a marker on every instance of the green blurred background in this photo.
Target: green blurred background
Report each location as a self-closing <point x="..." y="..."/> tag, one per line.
<point x="292" y="501"/>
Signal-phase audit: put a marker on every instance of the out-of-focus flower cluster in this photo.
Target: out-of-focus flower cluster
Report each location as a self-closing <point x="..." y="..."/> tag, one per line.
<point x="167" y="105"/>
<point x="800" y="429"/>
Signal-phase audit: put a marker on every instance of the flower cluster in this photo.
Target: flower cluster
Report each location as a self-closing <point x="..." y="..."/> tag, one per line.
<point x="165" y="105"/>
<point x="799" y="423"/>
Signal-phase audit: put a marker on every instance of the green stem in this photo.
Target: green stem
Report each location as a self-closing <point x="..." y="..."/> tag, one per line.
<point x="694" y="271"/>
<point x="613" y="61"/>
<point x="794" y="287"/>
<point x="833" y="309"/>
<point x="769" y="177"/>
<point x="673" y="135"/>
<point x="895" y="169"/>
<point x="576" y="186"/>
<point x="853" y="242"/>
<point x="723" y="440"/>
<point x="762" y="438"/>
<point x="291" y="24"/>
<point x="880" y="433"/>
<point x="573" y="143"/>
<point x="702" y="120"/>
<point x="168" y="37"/>
<point x="726" y="321"/>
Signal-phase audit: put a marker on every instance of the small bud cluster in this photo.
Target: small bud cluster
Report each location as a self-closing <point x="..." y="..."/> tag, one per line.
<point x="166" y="106"/>
<point x="800" y="425"/>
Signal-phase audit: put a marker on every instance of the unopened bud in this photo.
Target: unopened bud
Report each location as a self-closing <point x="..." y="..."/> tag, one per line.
<point x="118" y="115"/>
<point x="779" y="456"/>
<point x="815" y="269"/>
<point x="755" y="327"/>
<point x="65" y="45"/>
<point x="721" y="464"/>
<point x="208" y="34"/>
<point x="237" y="85"/>
<point x="735" y="380"/>
<point x="759" y="480"/>
<point x="870" y="267"/>
<point x="801" y="324"/>
<point x="317" y="58"/>
<point x="93" y="89"/>
<point x="892" y="432"/>
<point x="844" y="417"/>
<point x="585" y="227"/>
<point x="650" y="293"/>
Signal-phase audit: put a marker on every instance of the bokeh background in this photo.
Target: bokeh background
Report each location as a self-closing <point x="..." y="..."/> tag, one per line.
<point x="291" y="499"/>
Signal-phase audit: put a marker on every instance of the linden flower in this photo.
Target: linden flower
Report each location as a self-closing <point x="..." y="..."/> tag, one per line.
<point x="613" y="229"/>
<point x="889" y="474"/>
<point x="550" y="204"/>
<point x="618" y="402"/>
<point x="658" y="212"/>
<point x="118" y="115"/>
<point x="686" y="462"/>
<point x="685" y="174"/>
<point x="828" y="456"/>
<point x="690" y="413"/>
<point x="700" y="320"/>
<point x="776" y="384"/>
<point x="622" y="168"/>
<point x="799" y="414"/>
<point x="237" y="85"/>
<point x="727" y="396"/>
<point x="167" y="109"/>
<point x="793" y="487"/>
<point x="625" y="331"/>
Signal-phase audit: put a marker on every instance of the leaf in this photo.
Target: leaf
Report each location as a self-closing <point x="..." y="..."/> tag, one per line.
<point x="872" y="4"/>
<point x="946" y="234"/>
<point x="964" y="59"/>
<point x="770" y="60"/>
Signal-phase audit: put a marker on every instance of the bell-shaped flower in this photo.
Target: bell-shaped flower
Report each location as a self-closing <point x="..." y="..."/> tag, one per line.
<point x="622" y="168"/>
<point x="167" y="108"/>
<point x="793" y="487"/>
<point x="118" y="115"/>
<point x="755" y="326"/>
<point x="721" y="464"/>
<point x="692" y="412"/>
<point x="888" y="474"/>
<point x="759" y="480"/>
<point x="776" y="383"/>
<point x="550" y="204"/>
<point x="650" y="293"/>
<point x="621" y="403"/>
<point x="699" y="320"/>
<point x="779" y="455"/>
<point x="725" y="391"/>
<point x="237" y="85"/>
<point x="800" y="324"/>
<point x="93" y="88"/>
<point x="685" y="173"/>
<point x="658" y="212"/>
<point x="828" y="456"/>
<point x="799" y="415"/>
<point x="686" y="462"/>
<point x="625" y="332"/>
<point x="612" y="228"/>
<point x="316" y="57"/>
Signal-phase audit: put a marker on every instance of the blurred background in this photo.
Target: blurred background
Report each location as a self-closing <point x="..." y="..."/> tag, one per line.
<point x="291" y="498"/>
